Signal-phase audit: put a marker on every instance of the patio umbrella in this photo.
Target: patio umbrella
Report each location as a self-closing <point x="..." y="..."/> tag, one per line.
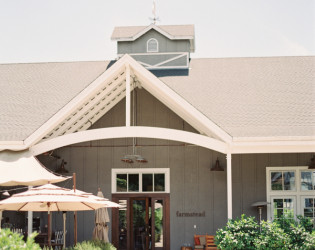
<point x="51" y="198"/>
<point x="100" y="231"/>
<point x="21" y="168"/>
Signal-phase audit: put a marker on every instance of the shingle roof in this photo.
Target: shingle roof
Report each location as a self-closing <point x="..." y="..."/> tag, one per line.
<point x="32" y="93"/>
<point x="253" y="97"/>
<point x="247" y="97"/>
<point x="125" y="32"/>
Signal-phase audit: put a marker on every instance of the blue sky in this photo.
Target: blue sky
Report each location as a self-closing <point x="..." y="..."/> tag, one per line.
<point x="77" y="30"/>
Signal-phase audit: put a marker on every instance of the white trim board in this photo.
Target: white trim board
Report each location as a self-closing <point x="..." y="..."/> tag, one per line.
<point x="129" y="132"/>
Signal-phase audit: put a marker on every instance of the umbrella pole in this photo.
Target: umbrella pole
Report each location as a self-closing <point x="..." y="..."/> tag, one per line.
<point x="64" y="214"/>
<point x="75" y="214"/>
<point x="49" y="227"/>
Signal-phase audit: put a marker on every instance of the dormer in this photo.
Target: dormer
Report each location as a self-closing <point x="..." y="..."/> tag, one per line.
<point x="156" y="47"/>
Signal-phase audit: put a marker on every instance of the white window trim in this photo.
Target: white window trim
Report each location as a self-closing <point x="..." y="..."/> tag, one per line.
<point x="157" y="45"/>
<point x="297" y="194"/>
<point x="140" y="171"/>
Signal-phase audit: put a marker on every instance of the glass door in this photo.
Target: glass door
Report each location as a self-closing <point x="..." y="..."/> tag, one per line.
<point x="143" y="222"/>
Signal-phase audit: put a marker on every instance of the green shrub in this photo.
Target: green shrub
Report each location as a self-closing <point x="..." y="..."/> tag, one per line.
<point x="272" y="237"/>
<point x="310" y="241"/>
<point x="283" y="233"/>
<point x="93" y="245"/>
<point x="306" y="222"/>
<point x="238" y="234"/>
<point x="14" y="241"/>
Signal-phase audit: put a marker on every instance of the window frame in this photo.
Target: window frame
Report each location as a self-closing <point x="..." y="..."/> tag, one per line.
<point x="297" y="194"/>
<point x="140" y="171"/>
<point x="157" y="45"/>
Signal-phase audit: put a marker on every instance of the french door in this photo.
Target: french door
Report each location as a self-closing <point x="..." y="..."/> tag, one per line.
<point x="142" y="223"/>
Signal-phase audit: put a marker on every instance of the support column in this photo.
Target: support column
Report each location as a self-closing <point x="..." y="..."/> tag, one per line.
<point x="229" y="185"/>
<point x="29" y="220"/>
<point x="127" y="95"/>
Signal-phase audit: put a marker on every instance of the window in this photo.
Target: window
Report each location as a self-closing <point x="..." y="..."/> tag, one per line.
<point x="307" y="180"/>
<point x="152" y="45"/>
<point x="140" y="180"/>
<point x="283" y="180"/>
<point x="290" y="192"/>
<point x="283" y="207"/>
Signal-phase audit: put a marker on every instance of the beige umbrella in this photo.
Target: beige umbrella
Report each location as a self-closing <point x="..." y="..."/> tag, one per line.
<point x="51" y="198"/>
<point x="100" y="231"/>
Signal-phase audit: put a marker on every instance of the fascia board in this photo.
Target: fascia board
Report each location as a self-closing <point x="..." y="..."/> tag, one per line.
<point x="273" y="138"/>
<point x="73" y="104"/>
<point x="12" y="145"/>
<point x="273" y="147"/>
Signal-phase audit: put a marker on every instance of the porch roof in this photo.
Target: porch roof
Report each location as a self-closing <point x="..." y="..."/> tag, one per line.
<point x="246" y="97"/>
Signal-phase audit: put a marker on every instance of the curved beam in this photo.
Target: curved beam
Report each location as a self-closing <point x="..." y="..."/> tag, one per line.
<point x="129" y="132"/>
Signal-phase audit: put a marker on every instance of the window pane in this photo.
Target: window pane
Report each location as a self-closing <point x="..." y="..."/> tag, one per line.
<point x="159" y="182"/>
<point x="309" y="203"/>
<point x="289" y="180"/>
<point x="308" y="212"/>
<point x="158" y="221"/>
<point x="147" y="182"/>
<point x="276" y="181"/>
<point x="306" y="180"/>
<point x="133" y="183"/>
<point x="123" y="225"/>
<point x="278" y="203"/>
<point x="121" y="182"/>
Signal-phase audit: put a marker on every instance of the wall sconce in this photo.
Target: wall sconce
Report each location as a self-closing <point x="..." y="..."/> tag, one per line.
<point x="217" y="166"/>
<point x="62" y="169"/>
<point x="312" y="164"/>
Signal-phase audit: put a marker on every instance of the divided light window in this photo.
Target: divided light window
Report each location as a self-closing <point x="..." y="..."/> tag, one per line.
<point x="152" y="45"/>
<point x="290" y="192"/>
<point x="140" y="180"/>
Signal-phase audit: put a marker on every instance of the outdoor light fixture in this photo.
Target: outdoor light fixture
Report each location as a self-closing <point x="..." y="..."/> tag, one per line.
<point x="132" y="158"/>
<point x="217" y="166"/>
<point x="62" y="169"/>
<point x="312" y="164"/>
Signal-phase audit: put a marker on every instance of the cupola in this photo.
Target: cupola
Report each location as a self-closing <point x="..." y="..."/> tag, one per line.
<point x="156" y="46"/>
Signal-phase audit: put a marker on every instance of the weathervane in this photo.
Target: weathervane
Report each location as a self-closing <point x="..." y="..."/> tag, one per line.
<point x="155" y="18"/>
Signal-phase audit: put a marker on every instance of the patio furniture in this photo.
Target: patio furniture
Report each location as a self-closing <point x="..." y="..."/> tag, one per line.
<point x="205" y="242"/>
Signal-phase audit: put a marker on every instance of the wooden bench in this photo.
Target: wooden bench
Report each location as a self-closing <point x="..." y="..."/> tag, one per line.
<point x="205" y="242"/>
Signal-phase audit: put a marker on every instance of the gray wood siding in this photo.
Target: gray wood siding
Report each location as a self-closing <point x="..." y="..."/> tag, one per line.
<point x="194" y="188"/>
<point x="165" y="44"/>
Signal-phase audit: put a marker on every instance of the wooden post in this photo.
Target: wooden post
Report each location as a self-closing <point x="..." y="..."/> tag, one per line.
<point x="75" y="215"/>
<point x="229" y="184"/>
<point x="49" y="226"/>
<point x="127" y="96"/>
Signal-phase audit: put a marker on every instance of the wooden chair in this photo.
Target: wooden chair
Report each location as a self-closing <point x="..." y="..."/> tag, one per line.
<point x="210" y="245"/>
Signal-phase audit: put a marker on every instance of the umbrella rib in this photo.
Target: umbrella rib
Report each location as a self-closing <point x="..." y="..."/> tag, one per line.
<point x="22" y="206"/>
<point x="88" y="205"/>
<point x="57" y="207"/>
